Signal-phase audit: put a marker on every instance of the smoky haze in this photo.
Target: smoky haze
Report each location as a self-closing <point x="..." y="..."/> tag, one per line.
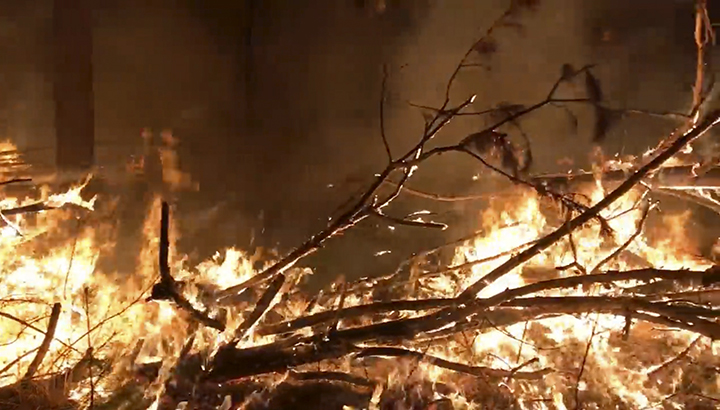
<point x="275" y="102"/>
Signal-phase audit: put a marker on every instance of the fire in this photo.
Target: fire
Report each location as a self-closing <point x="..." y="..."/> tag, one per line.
<point x="106" y="329"/>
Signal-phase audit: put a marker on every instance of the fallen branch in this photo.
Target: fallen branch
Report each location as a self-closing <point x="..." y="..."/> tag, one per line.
<point x="232" y="363"/>
<point x="352" y="312"/>
<point x="332" y="377"/>
<point x="624" y="245"/>
<point x="168" y="288"/>
<point x="368" y="203"/>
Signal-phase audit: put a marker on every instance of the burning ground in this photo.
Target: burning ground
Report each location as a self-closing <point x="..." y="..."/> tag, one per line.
<point x="606" y="320"/>
<point x="579" y="294"/>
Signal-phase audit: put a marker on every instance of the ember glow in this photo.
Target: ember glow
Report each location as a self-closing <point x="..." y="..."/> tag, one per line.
<point x="540" y="355"/>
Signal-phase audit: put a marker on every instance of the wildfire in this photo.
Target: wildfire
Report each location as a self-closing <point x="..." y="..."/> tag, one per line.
<point x="106" y="329"/>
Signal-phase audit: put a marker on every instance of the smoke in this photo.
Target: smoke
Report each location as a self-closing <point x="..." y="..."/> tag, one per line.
<point x="280" y="128"/>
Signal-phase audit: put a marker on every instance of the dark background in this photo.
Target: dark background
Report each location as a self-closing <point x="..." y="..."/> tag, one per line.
<point x="275" y="102"/>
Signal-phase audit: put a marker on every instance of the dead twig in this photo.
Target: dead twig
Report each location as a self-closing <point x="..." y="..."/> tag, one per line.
<point x="353" y="311"/>
<point x="383" y="93"/>
<point x="693" y="196"/>
<point x="33" y="327"/>
<point x="362" y="208"/>
<point x="15" y="181"/>
<point x="419" y="223"/>
<point x="17" y="360"/>
<point x="443" y="198"/>
<point x="331" y="376"/>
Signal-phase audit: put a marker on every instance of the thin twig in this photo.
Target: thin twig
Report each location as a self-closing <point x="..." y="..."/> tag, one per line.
<point x="644" y="275"/>
<point x="383" y="93"/>
<point x="90" y="347"/>
<point x="33" y="327"/>
<point x="357" y="213"/>
<point x="691" y="196"/>
<point x="409" y="222"/>
<point x="14" y="181"/>
<point x="17" y="360"/>
<point x="457" y="367"/>
<point x="621" y="248"/>
<point x="353" y="311"/>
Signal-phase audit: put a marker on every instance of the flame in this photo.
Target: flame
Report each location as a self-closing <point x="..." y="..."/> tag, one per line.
<point x="105" y="314"/>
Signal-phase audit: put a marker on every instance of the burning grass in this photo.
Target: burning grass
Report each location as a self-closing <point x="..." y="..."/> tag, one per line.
<point x="577" y="325"/>
<point x="563" y="300"/>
